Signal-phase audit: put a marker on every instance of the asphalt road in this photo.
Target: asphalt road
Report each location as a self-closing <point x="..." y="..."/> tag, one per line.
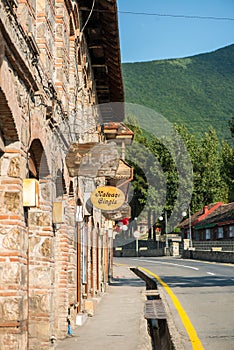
<point x="206" y="293"/>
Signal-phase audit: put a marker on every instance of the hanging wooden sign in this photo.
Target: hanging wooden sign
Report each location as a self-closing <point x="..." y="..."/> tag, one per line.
<point x="107" y="198"/>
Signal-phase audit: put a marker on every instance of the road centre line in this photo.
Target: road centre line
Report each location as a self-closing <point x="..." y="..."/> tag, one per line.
<point x="211" y="273"/>
<point x="211" y="262"/>
<point x="167" y="263"/>
<point x="191" y="267"/>
<point x="195" y="341"/>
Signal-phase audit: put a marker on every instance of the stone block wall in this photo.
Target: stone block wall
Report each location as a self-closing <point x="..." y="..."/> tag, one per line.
<point x="41" y="273"/>
<point x="41" y="113"/>
<point x="13" y="255"/>
<point x="223" y="257"/>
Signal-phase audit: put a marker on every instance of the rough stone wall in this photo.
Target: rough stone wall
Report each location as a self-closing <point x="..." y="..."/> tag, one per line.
<point x="41" y="273"/>
<point x="46" y="91"/>
<point x="224" y="257"/>
<point x="13" y="255"/>
<point x="45" y="37"/>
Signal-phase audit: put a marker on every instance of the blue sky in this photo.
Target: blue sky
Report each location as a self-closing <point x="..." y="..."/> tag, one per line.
<point x="147" y="38"/>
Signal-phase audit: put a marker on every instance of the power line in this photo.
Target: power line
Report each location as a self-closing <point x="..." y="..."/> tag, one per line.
<point x="164" y="15"/>
<point x="177" y="16"/>
<point x="90" y="14"/>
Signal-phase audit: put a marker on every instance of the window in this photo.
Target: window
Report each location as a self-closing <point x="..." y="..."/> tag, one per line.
<point x="220" y="232"/>
<point x="231" y="231"/>
<point x="207" y="233"/>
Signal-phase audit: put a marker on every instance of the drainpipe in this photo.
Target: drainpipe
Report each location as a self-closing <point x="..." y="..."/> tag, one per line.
<point x="27" y="257"/>
<point x="123" y="150"/>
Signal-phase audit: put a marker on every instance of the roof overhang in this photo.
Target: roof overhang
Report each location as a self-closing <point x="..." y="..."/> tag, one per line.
<point x="124" y="171"/>
<point x="92" y="159"/>
<point x="119" y="132"/>
<point x="102" y="38"/>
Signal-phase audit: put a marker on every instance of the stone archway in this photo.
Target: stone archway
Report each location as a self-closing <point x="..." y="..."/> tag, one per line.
<point x="10" y="112"/>
<point x="60" y="184"/>
<point x="7" y="124"/>
<point x="37" y="161"/>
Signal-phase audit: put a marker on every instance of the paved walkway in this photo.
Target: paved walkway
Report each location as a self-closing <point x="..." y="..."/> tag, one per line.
<point x="118" y="322"/>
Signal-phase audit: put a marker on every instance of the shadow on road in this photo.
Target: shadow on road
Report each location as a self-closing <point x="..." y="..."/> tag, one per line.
<point x="206" y="281"/>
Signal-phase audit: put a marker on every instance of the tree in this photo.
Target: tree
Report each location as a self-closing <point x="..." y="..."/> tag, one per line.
<point x="209" y="184"/>
<point x="161" y="169"/>
<point x="227" y="168"/>
<point x="231" y="125"/>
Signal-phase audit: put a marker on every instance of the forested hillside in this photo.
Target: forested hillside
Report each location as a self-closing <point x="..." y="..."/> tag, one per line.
<point x="196" y="91"/>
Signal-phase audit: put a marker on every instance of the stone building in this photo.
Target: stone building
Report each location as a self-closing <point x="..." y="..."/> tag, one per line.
<point x="60" y="83"/>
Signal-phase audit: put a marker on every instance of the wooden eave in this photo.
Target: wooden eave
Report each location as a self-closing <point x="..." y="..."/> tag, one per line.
<point x="118" y="131"/>
<point x="124" y="171"/>
<point x="74" y="156"/>
<point x="92" y="159"/>
<point x="102" y="37"/>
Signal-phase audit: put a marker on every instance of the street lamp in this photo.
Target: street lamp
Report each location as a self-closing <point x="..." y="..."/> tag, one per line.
<point x="190" y="226"/>
<point x="161" y="219"/>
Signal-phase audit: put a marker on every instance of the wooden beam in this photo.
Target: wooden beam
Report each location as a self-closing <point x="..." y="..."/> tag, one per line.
<point x="2" y="145"/>
<point x="99" y="65"/>
<point x="96" y="46"/>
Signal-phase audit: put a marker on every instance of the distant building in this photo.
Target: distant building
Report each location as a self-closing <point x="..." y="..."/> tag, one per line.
<point x="214" y="222"/>
<point x="218" y="225"/>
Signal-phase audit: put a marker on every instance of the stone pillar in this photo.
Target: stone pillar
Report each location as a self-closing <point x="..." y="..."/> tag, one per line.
<point x="13" y="254"/>
<point x="95" y="261"/>
<point x="72" y="262"/>
<point x="41" y="272"/>
<point x="61" y="277"/>
<point x="65" y="272"/>
<point x="106" y="257"/>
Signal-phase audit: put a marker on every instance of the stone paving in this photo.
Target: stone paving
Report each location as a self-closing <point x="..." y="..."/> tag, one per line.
<point x="118" y="322"/>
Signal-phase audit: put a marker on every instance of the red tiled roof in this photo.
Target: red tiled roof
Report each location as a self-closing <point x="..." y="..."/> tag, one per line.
<point x="223" y="215"/>
<point x="200" y="215"/>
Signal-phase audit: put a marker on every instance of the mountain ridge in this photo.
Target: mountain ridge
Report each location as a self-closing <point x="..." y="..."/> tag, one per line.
<point x="197" y="91"/>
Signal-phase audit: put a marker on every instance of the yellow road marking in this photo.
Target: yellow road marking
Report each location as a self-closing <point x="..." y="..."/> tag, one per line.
<point x="196" y="343"/>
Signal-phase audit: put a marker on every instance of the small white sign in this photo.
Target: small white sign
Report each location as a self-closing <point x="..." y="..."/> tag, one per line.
<point x="136" y="234"/>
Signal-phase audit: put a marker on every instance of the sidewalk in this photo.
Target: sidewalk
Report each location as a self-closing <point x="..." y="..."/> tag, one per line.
<point x="118" y="322"/>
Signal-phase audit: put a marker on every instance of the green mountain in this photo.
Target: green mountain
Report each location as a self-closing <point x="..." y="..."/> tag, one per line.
<point x="196" y="91"/>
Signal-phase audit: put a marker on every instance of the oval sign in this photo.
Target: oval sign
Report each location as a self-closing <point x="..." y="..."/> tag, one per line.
<point x="136" y="234"/>
<point x="107" y="198"/>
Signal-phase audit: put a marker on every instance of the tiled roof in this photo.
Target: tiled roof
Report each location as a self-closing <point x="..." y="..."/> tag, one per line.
<point x="221" y="216"/>
<point x="200" y="215"/>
